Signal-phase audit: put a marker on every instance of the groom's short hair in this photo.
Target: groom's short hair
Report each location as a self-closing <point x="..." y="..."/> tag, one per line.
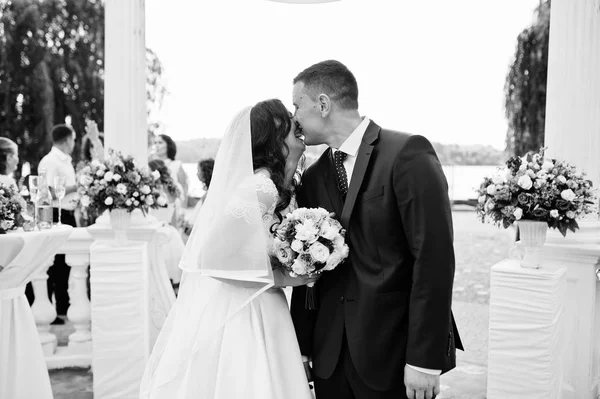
<point x="332" y="78"/>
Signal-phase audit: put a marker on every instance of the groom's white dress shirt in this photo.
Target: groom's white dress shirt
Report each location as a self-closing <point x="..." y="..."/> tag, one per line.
<point x="350" y="147"/>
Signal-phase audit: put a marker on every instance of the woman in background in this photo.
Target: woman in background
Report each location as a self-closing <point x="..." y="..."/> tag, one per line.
<point x="172" y="249"/>
<point x="9" y="159"/>
<point x="204" y="174"/>
<point x="165" y="149"/>
<point x="92" y="149"/>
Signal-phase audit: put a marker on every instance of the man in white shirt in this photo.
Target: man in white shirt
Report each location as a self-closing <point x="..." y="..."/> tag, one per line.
<point x="58" y="162"/>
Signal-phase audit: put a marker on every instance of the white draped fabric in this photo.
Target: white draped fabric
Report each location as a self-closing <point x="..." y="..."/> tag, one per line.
<point x="23" y="372"/>
<point x="120" y="317"/>
<point x="526" y="314"/>
<point x="171" y="247"/>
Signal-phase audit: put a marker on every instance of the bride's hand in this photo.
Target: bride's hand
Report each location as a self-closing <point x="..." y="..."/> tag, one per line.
<point x="282" y="278"/>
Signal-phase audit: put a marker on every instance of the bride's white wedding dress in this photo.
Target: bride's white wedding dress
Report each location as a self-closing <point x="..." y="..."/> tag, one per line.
<point x="223" y="347"/>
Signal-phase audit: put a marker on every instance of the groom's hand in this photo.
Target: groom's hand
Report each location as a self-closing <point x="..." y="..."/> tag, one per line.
<point x="420" y="385"/>
<point x="308" y="371"/>
<point x="283" y="279"/>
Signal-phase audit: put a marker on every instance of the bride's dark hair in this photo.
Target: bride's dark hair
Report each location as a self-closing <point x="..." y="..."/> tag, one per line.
<point x="270" y="123"/>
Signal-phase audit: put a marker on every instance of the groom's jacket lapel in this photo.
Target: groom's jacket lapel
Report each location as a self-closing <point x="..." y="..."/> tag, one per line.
<point x="360" y="167"/>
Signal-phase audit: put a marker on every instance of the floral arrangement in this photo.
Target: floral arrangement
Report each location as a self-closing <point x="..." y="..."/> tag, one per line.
<point x="118" y="183"/>
<point x="536" y="188"/>
<point x="309" y="241"/>
<point x="11" y="207"/>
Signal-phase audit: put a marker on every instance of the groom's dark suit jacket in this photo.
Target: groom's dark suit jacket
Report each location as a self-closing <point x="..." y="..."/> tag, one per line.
<point x="392" y="296"/>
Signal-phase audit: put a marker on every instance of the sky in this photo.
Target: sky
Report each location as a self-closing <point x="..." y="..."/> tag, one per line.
<point x="435" y="68"/>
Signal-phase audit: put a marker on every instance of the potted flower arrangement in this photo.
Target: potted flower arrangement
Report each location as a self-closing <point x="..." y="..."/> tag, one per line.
<point x="120" y="186"/>
<point x="11" y="207"/>
<point x="535" y="192"/>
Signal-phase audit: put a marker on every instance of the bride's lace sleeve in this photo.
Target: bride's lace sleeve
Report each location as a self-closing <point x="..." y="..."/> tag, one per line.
<point x="267" y="200"/>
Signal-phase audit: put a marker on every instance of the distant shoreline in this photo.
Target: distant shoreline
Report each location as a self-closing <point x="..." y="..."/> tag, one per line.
<point x="462" y="180"/>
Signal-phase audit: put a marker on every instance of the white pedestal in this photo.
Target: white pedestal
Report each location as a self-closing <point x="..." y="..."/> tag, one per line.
<point x="120" y="317"/>
<point x="526" y="313"/>
<point x="131" y="298"/>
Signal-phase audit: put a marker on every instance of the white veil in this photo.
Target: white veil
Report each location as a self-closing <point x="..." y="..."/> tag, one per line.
<point x="228" y="239"/>
<point x="227" y="247"/>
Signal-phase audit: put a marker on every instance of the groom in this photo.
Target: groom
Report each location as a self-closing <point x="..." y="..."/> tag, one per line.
<point x="383" y="327"/>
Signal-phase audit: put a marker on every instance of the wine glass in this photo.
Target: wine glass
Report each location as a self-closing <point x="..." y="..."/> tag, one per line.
<point x="60" y="187"/>
<point x="33" y="195"/>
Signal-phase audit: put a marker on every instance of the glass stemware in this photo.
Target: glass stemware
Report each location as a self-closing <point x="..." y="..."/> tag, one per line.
<point x="33" y="195"/>
<point x="60" y="186"/>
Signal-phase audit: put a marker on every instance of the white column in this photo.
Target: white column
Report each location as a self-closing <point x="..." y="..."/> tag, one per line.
<point x="572" y="128"/>
<point x="125" y="78"/>
<point x="43" y="310"/>
<point x="573" y="134"/>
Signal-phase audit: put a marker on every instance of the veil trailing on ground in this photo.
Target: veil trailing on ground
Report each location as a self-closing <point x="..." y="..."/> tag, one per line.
<point x="227" y="248"/>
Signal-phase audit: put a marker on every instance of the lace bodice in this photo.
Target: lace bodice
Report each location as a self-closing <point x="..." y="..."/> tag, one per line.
<point x="267" y="199"/>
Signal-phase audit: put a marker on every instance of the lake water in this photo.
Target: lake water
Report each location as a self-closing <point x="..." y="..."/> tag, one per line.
<point x="462" y="179"/>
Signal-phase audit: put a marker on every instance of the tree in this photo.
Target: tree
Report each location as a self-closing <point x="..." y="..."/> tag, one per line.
<point x="525" y="87"/>
<point x="52" y="66"/>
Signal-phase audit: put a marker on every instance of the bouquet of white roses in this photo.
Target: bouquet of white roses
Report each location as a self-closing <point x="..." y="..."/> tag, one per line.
<point x="308" y="242"/>
<point x="536" y="188"/>
<point x="11" y="207"/>
<point x="119" y="183"/>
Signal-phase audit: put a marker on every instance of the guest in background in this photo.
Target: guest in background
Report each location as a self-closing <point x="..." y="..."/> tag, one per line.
<point x="165" y="149"/>
<point x="9" y="159"/>
<point x="204" y="173"/>
<point x="92" y="149"/>
<point x="172" y="249"/>
<point x="92" y="143"/>
<point x="58" y="162"/>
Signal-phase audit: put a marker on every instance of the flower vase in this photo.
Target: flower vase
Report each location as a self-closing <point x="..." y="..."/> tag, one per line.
<point x="120" y="220"/>
<point x="532" y="235"/>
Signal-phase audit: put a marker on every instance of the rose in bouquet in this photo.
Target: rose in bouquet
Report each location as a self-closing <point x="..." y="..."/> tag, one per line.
<point x="119" y="183"/>
<point x="309" y="241"/>
<point x="11" y="207"/>
<point x="538" y="188"/>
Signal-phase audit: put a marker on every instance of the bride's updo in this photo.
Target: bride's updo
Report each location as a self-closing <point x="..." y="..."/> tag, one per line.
<point x="270" y="123"/>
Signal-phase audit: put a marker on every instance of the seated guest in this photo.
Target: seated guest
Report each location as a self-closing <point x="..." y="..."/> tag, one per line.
<point x="9" y="159"/>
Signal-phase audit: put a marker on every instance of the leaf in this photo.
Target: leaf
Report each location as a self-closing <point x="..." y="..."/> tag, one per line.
<point x="563" y="230"/>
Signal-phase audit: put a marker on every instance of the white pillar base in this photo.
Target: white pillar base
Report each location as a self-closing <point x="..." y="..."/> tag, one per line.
<point x="581" y="256"/>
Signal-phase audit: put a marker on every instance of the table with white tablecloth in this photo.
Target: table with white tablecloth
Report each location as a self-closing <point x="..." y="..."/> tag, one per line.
<point x="23" y="371"/>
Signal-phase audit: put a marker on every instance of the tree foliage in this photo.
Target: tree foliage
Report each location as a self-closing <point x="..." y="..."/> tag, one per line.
<point x="52" y="66"/>
<point x="525" y="87"/>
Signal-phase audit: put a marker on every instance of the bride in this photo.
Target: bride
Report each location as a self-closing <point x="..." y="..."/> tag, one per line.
<point x="230" y="334"/>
